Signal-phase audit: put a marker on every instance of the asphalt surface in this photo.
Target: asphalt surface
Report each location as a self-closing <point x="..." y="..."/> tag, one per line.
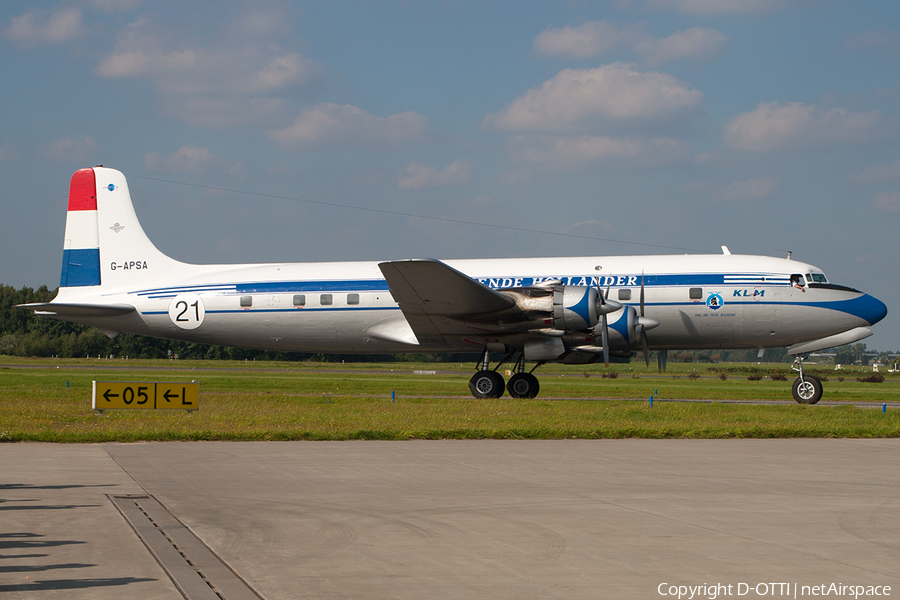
<point x="449" y="519"/>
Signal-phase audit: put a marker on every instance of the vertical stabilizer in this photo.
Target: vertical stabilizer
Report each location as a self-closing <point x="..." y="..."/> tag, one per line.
<point x="105" y="244"/>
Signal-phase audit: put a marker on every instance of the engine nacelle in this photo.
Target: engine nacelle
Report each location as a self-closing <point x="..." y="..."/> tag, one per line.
<point x="622" y="328"/>
<point x="561" y="308"/>
<point x="575" y="307"/>
<point x="625" y="327"/>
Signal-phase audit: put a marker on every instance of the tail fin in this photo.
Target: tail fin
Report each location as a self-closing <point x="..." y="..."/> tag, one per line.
<point x="105" y="244"/>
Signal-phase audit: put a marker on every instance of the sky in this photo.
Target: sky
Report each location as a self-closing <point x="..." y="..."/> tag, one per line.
<point x="276" y="131"/>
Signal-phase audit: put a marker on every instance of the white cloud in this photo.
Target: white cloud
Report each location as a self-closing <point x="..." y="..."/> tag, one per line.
<point x="871" y="40"/>
<point x="775" y="126"/>
<point x="515" y="176"/>
<point x="576" y="151"/>
<point x="344" y="125"/>
<point x="887" y="201"/>
<point x="576" y="99"/>
<point x="263" y="19"/>
<point x="207" y="70"/>
<point x="586" y="40"/>
<point x="417" y="176"/>
<point x="45" y="27"/>
<point x="596" y="38"/>
<point x="237" y="84"/>
<point x="751" y="189"/>
<point x="70" y="150"/>
<point x="711" y="7"/>
<point x="697" y="42"/>
<point x="116" y="5"/>
<point x="878" y="173"/>
<point x="187" y="159"/>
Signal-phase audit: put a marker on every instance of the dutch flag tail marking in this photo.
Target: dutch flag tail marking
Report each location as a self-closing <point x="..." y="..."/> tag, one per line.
<point x="105" y="244"/>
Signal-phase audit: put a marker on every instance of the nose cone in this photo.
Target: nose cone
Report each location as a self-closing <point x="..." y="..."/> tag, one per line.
<point x="869" y="309"/>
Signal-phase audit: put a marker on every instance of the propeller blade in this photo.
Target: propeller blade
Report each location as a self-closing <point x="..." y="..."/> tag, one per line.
<point x="646" y="346"/>
<point x="604" y="338"/>
<point x="642" y="293"/>
<point x="605" y="307"/>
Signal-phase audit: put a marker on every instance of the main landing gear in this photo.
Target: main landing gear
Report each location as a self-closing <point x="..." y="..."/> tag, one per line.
<point x="487" y="383"/>
<point x="806" y="389"/>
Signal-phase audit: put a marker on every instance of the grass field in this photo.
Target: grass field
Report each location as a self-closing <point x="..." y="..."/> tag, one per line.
<point x="50" y="400"/>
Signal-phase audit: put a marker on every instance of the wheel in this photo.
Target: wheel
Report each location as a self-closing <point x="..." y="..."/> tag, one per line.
<point x="486" y="384"/>
<point x="523" y="385"/>
<point x="807" y="391"/>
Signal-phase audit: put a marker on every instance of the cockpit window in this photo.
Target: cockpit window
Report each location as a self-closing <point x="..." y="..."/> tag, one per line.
<point x="816" y="278"/>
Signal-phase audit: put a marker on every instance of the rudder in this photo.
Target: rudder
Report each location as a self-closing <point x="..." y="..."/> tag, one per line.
<point x="81" y="249"/>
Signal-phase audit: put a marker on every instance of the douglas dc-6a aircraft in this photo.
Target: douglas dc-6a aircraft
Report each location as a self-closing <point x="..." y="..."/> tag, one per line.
<point x="532" y="310"/>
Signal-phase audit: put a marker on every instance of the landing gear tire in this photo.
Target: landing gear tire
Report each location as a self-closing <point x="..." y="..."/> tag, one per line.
<point x="523" y="385"/>
<point x="807" y="390"/>
<point x="486" y="384"/>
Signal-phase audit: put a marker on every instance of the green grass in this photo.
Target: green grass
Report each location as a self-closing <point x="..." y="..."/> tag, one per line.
<point x="309" y="401"/>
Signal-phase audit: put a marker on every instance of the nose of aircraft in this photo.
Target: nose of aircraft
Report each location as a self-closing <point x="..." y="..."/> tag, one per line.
<point x="869" y="309"/>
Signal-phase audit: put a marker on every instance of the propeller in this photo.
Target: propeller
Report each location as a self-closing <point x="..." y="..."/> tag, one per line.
<point x="604" y="331"/>
<point x="606" y="306"/>
<point x="644" y="343"/>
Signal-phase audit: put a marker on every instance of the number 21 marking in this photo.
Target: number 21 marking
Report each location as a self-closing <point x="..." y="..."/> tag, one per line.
<point x="187" y="311"/>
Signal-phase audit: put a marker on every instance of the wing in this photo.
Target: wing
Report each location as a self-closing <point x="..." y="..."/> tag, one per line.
<point x="439" y="301"/>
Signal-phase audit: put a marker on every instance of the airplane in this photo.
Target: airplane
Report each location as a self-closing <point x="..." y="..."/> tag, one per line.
<point x="574" y="310"/>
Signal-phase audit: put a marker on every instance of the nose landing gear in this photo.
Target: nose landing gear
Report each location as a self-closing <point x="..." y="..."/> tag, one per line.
<point x="806" y="389"/>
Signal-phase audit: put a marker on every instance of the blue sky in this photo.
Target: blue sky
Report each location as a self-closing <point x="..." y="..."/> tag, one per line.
<point x="620" y="127"/>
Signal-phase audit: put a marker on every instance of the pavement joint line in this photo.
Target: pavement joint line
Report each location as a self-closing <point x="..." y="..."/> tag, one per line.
<point x="197" y="572"/>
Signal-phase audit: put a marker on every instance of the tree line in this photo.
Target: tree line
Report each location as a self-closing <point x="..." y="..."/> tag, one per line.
<point x="22" y="333"/>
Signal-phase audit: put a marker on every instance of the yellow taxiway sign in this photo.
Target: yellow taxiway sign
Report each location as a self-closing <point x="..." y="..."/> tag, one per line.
<point x="145" y="395"/>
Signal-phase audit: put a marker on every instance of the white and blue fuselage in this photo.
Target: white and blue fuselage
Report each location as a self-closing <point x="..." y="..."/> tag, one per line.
<point x="563" y="309"/>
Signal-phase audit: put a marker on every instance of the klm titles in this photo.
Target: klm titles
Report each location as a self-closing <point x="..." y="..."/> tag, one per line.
<point x="600" y="280"/>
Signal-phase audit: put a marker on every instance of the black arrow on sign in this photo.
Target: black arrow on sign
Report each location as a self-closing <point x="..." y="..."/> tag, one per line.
<point x="107" y="395"/>
<point x="166" y="396"/>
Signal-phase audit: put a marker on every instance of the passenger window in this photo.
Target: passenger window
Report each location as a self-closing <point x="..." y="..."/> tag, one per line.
<point x="326" y="299"/>
<point x="246" y="301"/>
<point x="352" y="298"/>
<point x="696" y="294"/>
<point x="624" y="294"/>
<point x="299" y="299"/>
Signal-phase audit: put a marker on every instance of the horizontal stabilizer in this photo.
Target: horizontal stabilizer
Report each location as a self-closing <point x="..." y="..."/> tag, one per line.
<point x="839" y="339"/>
<point x="79" y="310"/>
